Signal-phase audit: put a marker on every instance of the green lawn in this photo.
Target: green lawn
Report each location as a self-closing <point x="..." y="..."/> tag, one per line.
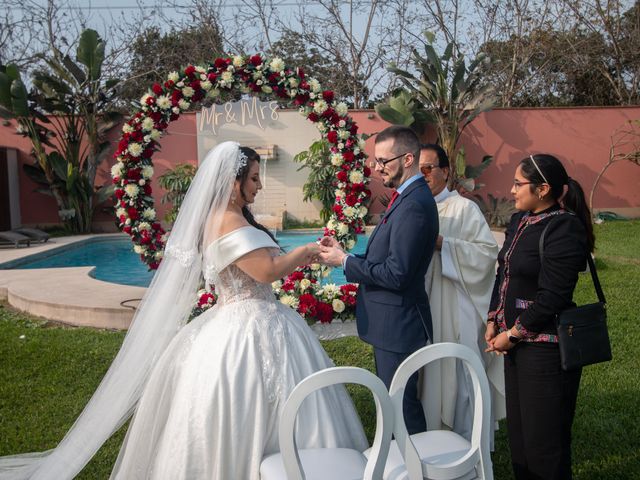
<point x="47" y="376"/>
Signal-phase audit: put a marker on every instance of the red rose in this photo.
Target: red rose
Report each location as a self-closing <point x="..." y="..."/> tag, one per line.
<point x="304" y="86"/>
<point x="220" y="63"/>
<point x="169" y="84"/>
<point x="342" y="176"/>
<point x="150" y="100"/>
<point x="348" y="156"/>
<point x="190" y="70"/>
<point x="288" y="286"/>
<point x="307" y="304"/>
<point x="132" y="212"/>
<point x="297" y="275"/>
<point x="147" y="189"/>
<point x="174" y="116"/>
<point x="155" y="116"/>
<point x="154" y="265"/>
<point x="195" y="84"/>
<point x="212" y="77"/>
<point x="354" y="129"/>
<point x="324" y="312"/>
<point x="367" y="171"/>
<point x="157" y="89"/>
<point x="328" y="96"/>
<point x="332" y="136"/>
<point x="351" y="200"/>
<point x="126" y="228"/>
<point x="119" y="193"/>
<point x="255" y="60"/>
<point x="300" y="72"/>
<point x="337" y="209"/>
<point x="313" y="116"/>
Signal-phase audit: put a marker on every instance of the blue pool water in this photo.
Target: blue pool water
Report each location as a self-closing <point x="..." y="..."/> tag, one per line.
<point x="116" y="262"/>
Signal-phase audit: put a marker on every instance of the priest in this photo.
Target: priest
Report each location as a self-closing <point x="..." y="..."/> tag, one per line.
<point x="459" y="284"/>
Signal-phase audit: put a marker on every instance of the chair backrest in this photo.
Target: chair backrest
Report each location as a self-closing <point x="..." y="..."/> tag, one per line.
<point x="479" y="451"/>
<point x="324" y="378"/>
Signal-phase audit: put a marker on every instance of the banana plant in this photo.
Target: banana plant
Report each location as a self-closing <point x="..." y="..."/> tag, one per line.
<point x="447" y="93"/>
<point x="78" y="103"/>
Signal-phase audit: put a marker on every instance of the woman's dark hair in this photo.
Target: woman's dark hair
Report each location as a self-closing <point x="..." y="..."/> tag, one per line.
<point x="243" y="174"/>
<point x="556" y="177"/>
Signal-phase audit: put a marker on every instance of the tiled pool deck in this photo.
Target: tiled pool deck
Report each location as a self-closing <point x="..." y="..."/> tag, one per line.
<point x="71" y="295"/>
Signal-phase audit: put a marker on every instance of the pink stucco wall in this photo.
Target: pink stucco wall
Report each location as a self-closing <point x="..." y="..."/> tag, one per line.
<point x="580" y="137"/>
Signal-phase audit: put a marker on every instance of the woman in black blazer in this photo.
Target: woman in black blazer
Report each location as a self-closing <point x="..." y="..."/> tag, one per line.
<point x="527" y="296"/>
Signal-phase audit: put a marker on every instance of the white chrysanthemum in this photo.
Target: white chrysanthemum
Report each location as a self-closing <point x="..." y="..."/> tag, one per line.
<point x="159" y="254"/>
<point x="183" y="104"/>
<point x="206" y="85"/>
<point x="293" y="82"/>
<point x="314" y="85"/>
<point x="351" y="244"/>
<point x="289" y="301"/>
<point x="176" y="110"/>
<point x="320" y="107"/>
<point x="147" y="124"/>
<point x="339" y="193"/>
<point x="120" y="212"/>
<point x="135" y="149"/>
<point x="331" y="289"/>
<point x="144" y="226"/>
<point x="116" y="170"/>
<point x="163" y="102"/>
<point x="188" y="92"/>
<point x="342" y="109"/>
<point x="361" y="143"/>
<point x="276" y="285"/>
<point x="336" y="159"/>
<point x="138" y="249"/>
<point x="343" y="134"/>
<point x="342" y="229"/>
<point x="332" y="224"/>
<point x="200" y="69"/>
<point x="349" y="211"/>
<point x="155" y="134"/>
<point x="363" y="211"/>
<point x="213" y="93"/>
<point x="315" y="266"/>
<point x="338" y="305"/>
<point x="304" y="284"/>
<point x="149" y="214"/>
<point x="238" y="61"/>
<point x="356" y="176"/>
<point x="147" y="171"/>
<point x="131" y="190"/>
<point x="174" y="77"/>
<point x="267" y="89"/>
<point x="227" y="77"/>
<point x="144" y="98"/>
<point x="126" y="128"/>
<point x="277" y="64"/>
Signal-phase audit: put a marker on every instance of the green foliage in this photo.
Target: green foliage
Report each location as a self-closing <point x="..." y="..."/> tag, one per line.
<point x="319" y="184"/>
<point x="78" y="102"/>
<point x="290" y="223"/>
<point x="497" y="211"/>
<point x="176" y="182"/>
<point x="447" y="93"/>
<point x="467" y="179"/>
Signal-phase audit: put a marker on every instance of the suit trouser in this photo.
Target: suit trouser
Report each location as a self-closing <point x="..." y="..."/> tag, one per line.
<point x="541" y="402"/>
<point x="386" y="365"/>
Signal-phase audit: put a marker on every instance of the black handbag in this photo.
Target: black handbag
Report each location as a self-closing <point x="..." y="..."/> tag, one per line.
<point x="582" y="331"/>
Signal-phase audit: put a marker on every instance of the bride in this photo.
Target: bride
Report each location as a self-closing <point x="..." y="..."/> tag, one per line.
<point x="206" y="397"/>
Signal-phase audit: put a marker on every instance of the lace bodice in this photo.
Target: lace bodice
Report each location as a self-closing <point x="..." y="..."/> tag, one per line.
<point x="232" y="284"/>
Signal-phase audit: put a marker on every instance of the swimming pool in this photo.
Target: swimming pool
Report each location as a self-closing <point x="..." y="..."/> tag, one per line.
<point x="115" y="261"/>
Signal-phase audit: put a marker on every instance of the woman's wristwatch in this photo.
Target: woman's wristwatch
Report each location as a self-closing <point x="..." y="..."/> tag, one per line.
<point x="512" y="338"/>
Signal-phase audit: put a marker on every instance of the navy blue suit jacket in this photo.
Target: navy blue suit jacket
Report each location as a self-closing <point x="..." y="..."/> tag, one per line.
<point x="392" y="310"/>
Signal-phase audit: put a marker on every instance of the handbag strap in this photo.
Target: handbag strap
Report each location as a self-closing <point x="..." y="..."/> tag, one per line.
<point x="592" y="265"/>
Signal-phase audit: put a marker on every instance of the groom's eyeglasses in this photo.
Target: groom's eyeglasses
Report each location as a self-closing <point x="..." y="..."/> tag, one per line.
<point x="381" y="162"/>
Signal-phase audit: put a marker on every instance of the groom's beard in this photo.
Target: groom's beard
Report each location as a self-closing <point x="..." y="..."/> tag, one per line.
<point x="396" y="180"/>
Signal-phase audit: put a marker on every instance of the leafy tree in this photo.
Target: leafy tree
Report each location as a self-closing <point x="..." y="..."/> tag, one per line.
<point x="176" y="182"/>
<point x="156" y="54"/>
<point x="68" y="143"/>
<point x="320" y="184"/>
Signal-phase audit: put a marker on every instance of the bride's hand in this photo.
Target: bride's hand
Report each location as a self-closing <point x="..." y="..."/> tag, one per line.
<point x="311" y="252"/>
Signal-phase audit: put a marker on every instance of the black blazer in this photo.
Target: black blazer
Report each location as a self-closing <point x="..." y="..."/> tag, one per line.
<point x="392" y="310"/>
<point x="536" y="292"/>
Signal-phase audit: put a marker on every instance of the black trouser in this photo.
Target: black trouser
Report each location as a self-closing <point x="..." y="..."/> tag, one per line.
<point x="541" y="402"/>
<point x="386" y="365"/>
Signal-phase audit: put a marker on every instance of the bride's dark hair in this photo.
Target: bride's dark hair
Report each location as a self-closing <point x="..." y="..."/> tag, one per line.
<point x="243" y="174"/>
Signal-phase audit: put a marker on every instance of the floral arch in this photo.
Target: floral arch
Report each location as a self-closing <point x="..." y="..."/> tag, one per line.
<point x="220" y="81"/>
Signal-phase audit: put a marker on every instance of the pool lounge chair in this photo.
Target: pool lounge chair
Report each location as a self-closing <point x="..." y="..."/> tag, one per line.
<point x="8" y="238"/>
<point x="34" y="234"/>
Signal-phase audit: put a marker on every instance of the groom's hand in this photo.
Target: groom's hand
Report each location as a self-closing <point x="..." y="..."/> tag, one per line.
<point x="329" y="242"/>
<point x="332" y="256"/>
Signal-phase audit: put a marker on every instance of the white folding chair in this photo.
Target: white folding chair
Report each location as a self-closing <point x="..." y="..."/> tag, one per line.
<point x="441" y="454"/>
<point x="333" y="463"/>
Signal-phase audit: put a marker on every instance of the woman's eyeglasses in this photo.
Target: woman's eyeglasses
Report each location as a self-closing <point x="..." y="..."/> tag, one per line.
<point x="517" y="184"/>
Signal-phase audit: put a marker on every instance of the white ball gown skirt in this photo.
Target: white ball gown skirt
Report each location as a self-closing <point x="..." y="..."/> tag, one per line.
<point x="211" y="407"/>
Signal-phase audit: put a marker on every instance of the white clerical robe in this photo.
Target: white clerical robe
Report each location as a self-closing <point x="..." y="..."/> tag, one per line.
<point x="459" y="283"/>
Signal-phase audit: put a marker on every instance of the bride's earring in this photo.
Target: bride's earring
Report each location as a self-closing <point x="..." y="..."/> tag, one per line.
<point x="233" y="198"/>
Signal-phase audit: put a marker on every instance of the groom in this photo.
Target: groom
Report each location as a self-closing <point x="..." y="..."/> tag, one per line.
<point x="392" y="311"/>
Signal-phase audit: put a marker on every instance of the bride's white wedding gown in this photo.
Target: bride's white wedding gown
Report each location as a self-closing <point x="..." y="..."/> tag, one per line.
<point x="211" y="407"/>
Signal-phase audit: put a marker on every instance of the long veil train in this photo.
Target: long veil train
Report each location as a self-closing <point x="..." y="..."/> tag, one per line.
<point x="164" y="309"/>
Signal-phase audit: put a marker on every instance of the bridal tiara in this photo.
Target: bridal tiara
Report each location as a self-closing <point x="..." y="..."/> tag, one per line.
<point x="241" y="162"/>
